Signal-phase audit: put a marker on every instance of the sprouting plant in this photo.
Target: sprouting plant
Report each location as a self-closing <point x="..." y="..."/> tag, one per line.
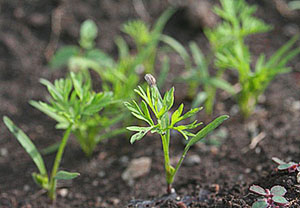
<point x="199" y="75"/>
<point x="74" y="103"/>
<point x="147" y="40"/>
<point x="47" y="182"/>
<point x="120" y="76"/>
<point x="164" y="122"/>
<point x="273" y="198"/>
<point x="290" y="166"/>
<point x="228" y="42"/>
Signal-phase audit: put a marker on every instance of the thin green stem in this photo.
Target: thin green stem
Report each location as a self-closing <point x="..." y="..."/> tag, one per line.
<point x="167" y="159"/>
<point x="186" y="149"/>
<point x="52" y="184"/>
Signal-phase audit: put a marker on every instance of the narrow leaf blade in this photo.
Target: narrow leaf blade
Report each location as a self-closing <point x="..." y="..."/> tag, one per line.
<point x="65" y="175"/>
<point x="26" y="144"/>
<point x="207" y="129"/>
<point x="278" y="161"/>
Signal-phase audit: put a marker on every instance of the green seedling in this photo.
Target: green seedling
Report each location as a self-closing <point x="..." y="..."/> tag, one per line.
<point x="47" y="182"/>
<point x="231" y="52"/>
<point x="198" y="75"/>
<point x="291" y="167"/>
<point x="271" y="198"/>
<point x="120" y="76"/>
<point x="152" y="101"/>
<point x="74" y="103"/>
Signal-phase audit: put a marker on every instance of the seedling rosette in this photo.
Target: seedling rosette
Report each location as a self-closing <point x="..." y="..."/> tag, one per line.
<point x="271" y="198"/>
<point x="164" y="122"/>
<point x="290" y="166"/>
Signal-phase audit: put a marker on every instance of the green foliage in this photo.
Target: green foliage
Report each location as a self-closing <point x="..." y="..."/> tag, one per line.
<point x="231" y="52"/>
<point x="73" y="102"/>
<point x="160" y="106"/>
<point x="47" y="182"/>
<point x="139" y="31"/>
<point x="198" y="74"/>
<point x="120" y="76"/>
<point x="64" y="175"/>
<point x="88" y="34"/>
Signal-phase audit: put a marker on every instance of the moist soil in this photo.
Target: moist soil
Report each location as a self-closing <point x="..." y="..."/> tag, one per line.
<point x="31" y="30"/>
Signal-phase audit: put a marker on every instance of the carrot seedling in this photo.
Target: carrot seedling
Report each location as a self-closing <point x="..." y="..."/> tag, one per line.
<point x="231" y="51"/>
<point x="152" y="100"/>
<point x="73" y="102"/>
<point x="47" y="182"/>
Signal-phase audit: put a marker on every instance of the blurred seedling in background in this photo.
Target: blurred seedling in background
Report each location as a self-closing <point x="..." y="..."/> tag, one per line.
<point x="74" y="103"/>
<point x="119" y="76"/>
<point x="273" y="198"/>
<point x="291" y="167"/>
<point x="162" y="124"/>
<point x="198" y="75"/>
<point x="231" y="52"/>
<point x="43" y="179"/>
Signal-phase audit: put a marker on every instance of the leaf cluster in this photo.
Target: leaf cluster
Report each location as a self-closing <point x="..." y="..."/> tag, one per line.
<point x="271" y="198"/>
<point x="154" y="109"/>
<point x="72" y="100"/>
<point x="152" y="102"/>
<point x="231" y="52"/>
<point x="290" y="166"/>
<point x="198" y="74"/>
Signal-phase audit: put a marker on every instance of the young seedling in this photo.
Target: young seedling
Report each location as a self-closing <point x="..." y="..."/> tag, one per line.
<point x="231" y="52"/>
<point x="163" y="123"/>
<point x="47" y="182"/>
<point x="74" y="103"/>
<point x="120" y="76"/>
<point x="273" y="198"/>
<point x="198" y="75"/>
<point x="291" y="167"/>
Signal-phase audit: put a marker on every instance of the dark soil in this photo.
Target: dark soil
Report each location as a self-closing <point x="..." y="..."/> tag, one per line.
<point x="222" y="179"/>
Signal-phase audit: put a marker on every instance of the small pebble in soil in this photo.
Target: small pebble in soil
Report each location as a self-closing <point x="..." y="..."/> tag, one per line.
<point x="192" y="160"/>
<point x="115" y="201"/>
<point x="257" y="150"/>
<point x="136" y="168"/>
<point x="258" y="168"/>
<point x="234" y="110"/>
<point x="101" y="174"/>
<point x="26" y="188"/>
<point x="247" y="170"/>
<point x="3" y="152"/>
<point x="63" y="192"/>
<point x="124" y="160"/>
<point x="98" y="199"/>
<point x="291" y="29"/>
<point x="95" y="183"/>
<point x="296" y="105"/>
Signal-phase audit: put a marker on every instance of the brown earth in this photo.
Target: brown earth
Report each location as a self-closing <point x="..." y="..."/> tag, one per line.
<point x="223" y="176"/>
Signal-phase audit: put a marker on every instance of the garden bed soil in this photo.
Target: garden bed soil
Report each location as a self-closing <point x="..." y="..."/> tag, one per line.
<point x="224" y="174"/>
